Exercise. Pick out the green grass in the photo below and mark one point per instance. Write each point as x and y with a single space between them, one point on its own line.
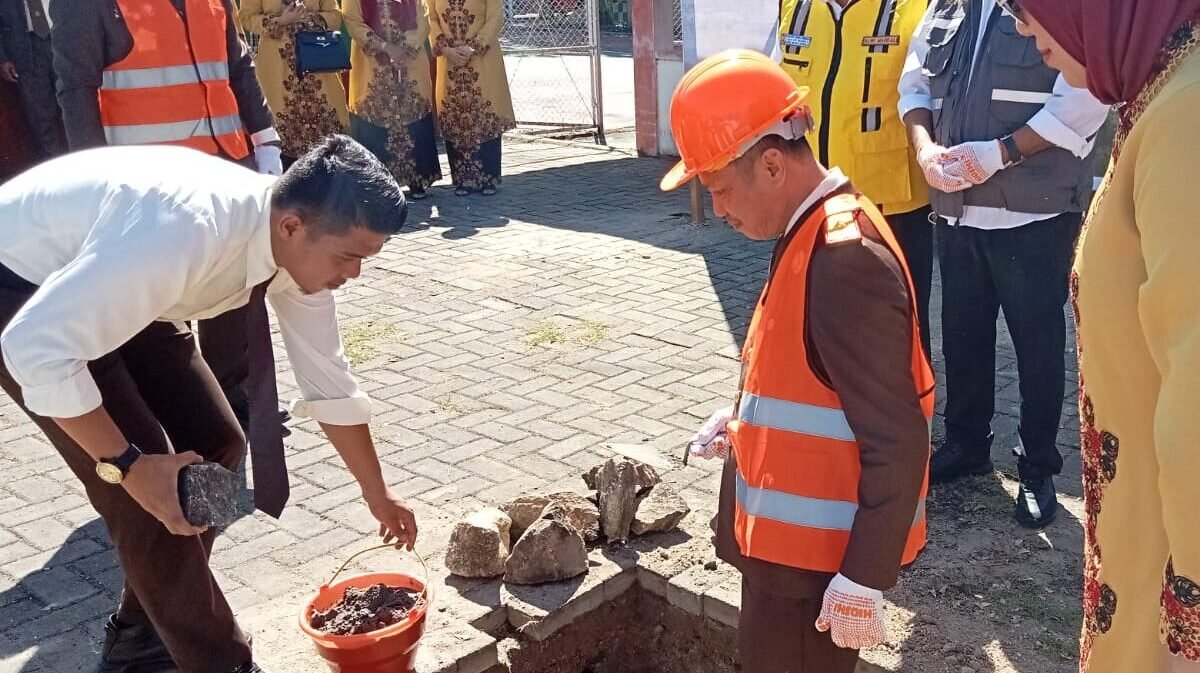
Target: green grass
549 333
361 340
545 333
592 333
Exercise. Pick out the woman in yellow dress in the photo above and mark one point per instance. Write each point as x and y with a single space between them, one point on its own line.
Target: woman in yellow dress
391 91
306 108
1134 290
473 100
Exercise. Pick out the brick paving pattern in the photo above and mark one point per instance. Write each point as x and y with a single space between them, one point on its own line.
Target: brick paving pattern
506 341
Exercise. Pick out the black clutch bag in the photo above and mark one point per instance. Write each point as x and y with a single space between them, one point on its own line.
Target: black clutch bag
320 51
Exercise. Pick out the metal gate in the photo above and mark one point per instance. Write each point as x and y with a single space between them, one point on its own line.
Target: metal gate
552 55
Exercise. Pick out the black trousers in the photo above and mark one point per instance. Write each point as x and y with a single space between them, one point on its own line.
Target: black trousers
35 85
1023 271
164 399
914 233
223 344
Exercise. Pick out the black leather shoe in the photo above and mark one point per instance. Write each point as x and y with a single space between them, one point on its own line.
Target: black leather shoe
953 460
133 648
1037 504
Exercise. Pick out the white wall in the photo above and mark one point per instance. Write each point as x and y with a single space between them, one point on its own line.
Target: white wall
670 71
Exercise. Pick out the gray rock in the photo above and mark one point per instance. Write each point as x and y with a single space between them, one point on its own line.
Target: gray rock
524 511
659 510
479 544
548 552
208 494
576 511
617 485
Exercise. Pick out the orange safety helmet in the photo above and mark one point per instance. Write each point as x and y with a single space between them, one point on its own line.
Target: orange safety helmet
724 105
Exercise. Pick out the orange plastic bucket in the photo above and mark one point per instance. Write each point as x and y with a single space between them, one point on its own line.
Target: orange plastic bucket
391 649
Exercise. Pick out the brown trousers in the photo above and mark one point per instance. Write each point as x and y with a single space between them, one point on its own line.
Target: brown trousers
776 634
164 398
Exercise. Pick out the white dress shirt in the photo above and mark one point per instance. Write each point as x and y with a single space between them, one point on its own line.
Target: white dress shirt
119 237
834 180
1070 119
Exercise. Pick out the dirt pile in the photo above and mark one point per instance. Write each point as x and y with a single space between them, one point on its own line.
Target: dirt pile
365 610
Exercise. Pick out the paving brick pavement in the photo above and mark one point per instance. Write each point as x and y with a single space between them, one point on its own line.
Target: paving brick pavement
505 341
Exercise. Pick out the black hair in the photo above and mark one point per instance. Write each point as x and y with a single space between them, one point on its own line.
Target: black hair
339 184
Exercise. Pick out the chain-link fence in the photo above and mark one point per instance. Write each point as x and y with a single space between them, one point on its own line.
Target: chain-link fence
552 55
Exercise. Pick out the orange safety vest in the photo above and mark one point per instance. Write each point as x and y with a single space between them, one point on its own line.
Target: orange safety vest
173 87
797 460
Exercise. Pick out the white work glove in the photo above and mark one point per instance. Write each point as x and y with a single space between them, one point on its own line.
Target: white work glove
269 159
932 159
712 441
975 162
853 614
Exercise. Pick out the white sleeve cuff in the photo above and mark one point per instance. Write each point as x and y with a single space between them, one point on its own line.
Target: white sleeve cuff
846 585
914 101
347 411
1054 131
267 135
73 397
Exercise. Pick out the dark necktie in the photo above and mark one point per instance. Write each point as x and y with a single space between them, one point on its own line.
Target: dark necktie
266 436
38 23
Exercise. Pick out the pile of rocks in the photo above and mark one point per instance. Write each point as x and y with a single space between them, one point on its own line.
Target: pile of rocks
544 538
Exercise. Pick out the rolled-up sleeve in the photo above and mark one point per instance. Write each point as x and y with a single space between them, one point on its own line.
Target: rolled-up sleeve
914 83
1070 119
309 326
124 279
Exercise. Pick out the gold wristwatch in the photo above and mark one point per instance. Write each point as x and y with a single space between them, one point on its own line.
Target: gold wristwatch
113 470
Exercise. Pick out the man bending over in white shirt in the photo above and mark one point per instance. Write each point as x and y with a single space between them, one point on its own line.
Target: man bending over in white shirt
104 257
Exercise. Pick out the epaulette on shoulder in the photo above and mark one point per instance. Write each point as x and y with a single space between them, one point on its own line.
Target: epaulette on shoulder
841 221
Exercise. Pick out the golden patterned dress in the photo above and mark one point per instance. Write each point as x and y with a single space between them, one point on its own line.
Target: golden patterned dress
308 108
391 103
1138 311
474 104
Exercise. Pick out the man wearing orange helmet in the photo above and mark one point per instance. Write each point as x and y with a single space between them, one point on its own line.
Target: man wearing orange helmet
822 496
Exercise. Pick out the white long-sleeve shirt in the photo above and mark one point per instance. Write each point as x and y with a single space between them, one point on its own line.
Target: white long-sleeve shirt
1069 119
119 237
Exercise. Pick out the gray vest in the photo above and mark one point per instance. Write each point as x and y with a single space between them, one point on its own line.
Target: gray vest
1009 86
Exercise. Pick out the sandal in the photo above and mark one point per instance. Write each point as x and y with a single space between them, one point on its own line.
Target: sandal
461 191
488 191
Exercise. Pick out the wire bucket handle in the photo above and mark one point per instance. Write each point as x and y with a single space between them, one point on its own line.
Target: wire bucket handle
424 595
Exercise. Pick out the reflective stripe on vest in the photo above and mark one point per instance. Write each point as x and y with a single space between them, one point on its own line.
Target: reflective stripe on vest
172 132
146 78
805 419
173 86
799 510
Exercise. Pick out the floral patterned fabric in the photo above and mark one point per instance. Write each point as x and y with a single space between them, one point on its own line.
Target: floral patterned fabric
394 94
473 101
1136 438
308 108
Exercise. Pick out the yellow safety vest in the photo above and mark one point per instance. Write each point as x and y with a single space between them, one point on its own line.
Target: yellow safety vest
852 67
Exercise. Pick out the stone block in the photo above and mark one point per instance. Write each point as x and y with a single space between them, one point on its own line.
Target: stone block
540 611
723 602
456 650
479 544
659 510
550 551
686 590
